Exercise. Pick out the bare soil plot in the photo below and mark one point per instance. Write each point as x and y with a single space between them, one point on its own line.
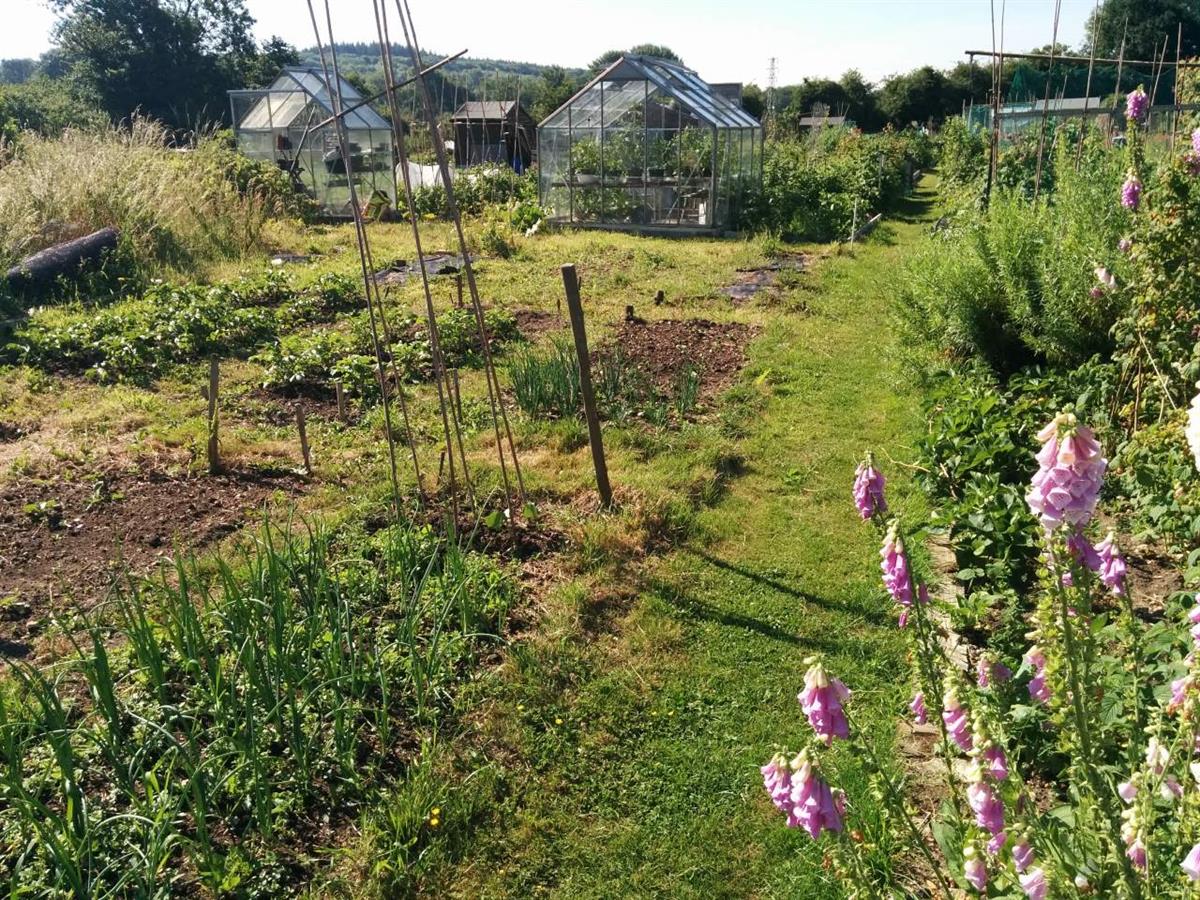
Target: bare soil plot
663 349
70 535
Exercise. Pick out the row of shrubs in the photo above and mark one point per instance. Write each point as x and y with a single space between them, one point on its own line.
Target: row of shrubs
815 189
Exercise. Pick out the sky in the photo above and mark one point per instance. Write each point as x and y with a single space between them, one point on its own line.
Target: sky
723 40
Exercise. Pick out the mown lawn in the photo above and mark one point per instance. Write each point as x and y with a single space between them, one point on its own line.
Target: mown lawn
639 776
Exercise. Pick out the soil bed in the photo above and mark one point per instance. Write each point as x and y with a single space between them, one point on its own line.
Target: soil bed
533 323
69 536
663 349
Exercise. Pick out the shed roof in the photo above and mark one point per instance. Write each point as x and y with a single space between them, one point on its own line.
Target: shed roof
290 94
623 89
478 110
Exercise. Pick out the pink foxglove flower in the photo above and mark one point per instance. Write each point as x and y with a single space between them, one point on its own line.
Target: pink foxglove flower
996 762
815 807
920 716
1131 192
1111 565
1033 883
894 562
821 701
868 490
1137 104
996 844
1137 853
1170 789
1194 618
988 670
1106 278
988 808
1039 690
1084 554
1191 161
1191 862
1125 245
1196 140
958 726
1127 791
1180 688
1070 472
1157 756
777 779
1022 854
975 871
1192 430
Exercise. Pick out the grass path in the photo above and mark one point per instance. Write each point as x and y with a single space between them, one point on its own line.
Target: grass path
648 784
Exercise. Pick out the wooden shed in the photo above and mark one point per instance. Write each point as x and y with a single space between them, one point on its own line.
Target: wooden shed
494 131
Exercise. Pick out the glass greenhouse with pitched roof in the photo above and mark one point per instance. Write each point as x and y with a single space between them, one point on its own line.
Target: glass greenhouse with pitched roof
290 124
648 146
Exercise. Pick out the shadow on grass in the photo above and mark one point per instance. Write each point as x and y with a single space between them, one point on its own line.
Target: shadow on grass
875 617
916 208
701 611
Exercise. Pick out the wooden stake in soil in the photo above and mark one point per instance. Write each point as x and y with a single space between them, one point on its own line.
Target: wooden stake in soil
214 442
575 306
303 440
341 401
457 393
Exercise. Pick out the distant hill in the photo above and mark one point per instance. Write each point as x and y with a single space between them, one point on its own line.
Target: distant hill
468 78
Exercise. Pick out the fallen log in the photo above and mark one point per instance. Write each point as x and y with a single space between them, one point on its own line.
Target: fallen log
43 268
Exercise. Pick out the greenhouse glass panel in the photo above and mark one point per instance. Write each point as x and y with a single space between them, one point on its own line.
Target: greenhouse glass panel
290 124
648 146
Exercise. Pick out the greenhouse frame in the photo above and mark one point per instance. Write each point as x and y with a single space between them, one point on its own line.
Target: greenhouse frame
290 123
648 146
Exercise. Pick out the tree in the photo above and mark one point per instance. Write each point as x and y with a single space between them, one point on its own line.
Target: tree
966 83
47 105
1143 24
917 96
604 60
170 59
16 71
862 103
553 88
754 100
260 69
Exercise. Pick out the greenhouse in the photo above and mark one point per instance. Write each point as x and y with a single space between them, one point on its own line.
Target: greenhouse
648 146
290 124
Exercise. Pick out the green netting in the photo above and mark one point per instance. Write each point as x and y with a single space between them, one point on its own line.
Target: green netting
1029 82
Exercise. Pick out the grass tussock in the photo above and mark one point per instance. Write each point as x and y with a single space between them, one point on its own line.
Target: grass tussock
177 208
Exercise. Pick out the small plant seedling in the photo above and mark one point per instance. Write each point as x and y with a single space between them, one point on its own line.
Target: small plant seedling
45 511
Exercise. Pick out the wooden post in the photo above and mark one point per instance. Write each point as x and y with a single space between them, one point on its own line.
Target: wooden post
303 440
659 297
341 401
458 281
214 442
575 307
457 393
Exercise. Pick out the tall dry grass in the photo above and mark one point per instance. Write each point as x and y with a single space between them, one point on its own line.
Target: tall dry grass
177 209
